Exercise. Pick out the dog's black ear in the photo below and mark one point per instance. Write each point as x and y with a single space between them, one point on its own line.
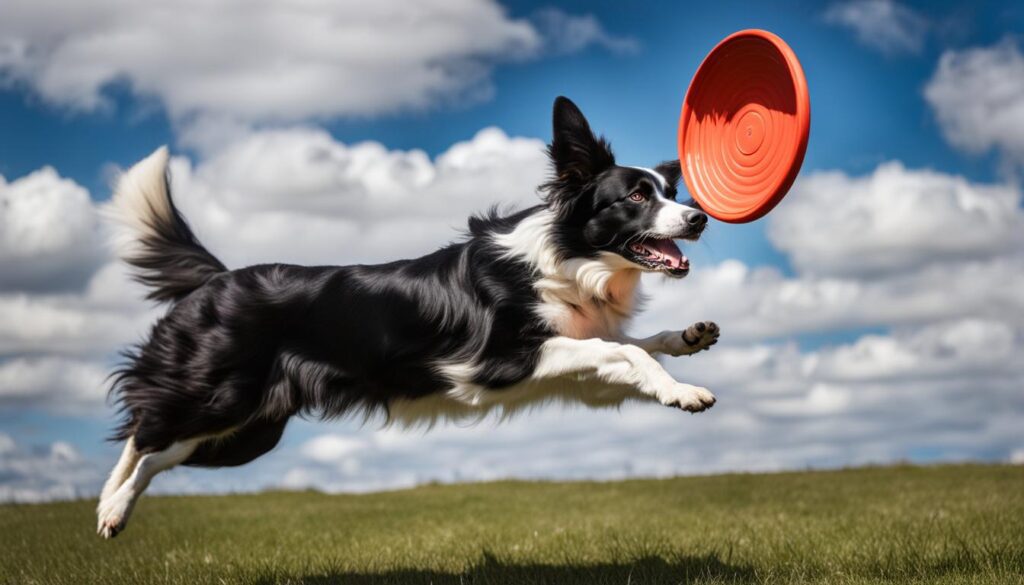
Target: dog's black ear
671 170
576 153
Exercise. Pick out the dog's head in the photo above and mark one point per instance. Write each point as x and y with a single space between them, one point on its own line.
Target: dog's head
602 207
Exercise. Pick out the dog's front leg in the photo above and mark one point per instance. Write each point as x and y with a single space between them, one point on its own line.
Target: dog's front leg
701 335
617 365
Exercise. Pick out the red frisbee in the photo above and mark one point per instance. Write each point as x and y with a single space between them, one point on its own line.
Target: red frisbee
744 126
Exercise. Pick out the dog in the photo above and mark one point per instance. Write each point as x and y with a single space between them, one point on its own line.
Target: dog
529 308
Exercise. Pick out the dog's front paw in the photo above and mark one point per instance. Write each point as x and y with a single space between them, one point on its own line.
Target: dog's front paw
689 398
701 335
696 337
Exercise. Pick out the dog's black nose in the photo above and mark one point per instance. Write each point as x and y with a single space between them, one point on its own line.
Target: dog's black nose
696 218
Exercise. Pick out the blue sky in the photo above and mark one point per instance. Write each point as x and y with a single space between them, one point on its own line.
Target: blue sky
867 107
881 107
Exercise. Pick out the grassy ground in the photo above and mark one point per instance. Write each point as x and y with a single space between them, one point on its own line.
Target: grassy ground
956 524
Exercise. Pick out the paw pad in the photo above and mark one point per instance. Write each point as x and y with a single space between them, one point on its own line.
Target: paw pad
701 335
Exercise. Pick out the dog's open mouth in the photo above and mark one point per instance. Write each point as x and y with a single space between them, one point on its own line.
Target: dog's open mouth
660 254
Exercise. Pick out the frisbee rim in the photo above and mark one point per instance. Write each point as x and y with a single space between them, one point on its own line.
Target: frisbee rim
768 201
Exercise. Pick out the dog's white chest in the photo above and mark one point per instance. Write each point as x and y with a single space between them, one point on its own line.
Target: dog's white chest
598 303
581 298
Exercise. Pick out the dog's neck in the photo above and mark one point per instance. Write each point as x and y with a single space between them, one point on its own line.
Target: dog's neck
580 297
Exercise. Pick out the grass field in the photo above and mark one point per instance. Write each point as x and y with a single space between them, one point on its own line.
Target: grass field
950 524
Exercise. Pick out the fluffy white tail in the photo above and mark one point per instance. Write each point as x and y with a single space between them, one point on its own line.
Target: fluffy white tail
154 237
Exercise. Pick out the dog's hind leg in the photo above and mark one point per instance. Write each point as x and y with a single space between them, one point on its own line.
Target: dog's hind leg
129 459
241 446
114 510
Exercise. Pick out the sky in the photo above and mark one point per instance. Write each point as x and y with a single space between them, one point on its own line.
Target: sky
875 316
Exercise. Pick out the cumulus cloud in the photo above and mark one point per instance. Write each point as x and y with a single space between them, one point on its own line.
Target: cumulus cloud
66 386
280 60
42 473
65 306
49 236
893 219
756 303
977 95
215 67
883 25
967 348
337 203
92 323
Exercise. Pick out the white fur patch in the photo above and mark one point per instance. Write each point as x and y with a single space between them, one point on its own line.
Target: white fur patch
593 372
140 201
580 297
671 219
125 465
113 511
660 182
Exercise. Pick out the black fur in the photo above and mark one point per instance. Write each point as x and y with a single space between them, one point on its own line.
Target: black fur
171 261
240 352
258 345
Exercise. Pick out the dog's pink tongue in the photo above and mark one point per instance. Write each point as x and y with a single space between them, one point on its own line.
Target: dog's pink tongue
671 252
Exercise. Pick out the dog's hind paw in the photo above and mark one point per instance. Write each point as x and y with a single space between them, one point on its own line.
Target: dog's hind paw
109 526
112 515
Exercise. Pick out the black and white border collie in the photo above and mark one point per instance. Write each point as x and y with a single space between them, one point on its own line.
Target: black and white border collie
529 308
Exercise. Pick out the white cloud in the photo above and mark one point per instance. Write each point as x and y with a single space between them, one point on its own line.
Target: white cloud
273 61
49 235
978 98
336 203
567 33
217 67
55 471
883 25
331 448
761 303
94 323
892 220
967 348
62 385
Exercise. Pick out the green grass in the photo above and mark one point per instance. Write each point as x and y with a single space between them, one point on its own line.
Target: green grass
950 524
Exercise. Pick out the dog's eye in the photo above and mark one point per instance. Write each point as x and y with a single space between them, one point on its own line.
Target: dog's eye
637 196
